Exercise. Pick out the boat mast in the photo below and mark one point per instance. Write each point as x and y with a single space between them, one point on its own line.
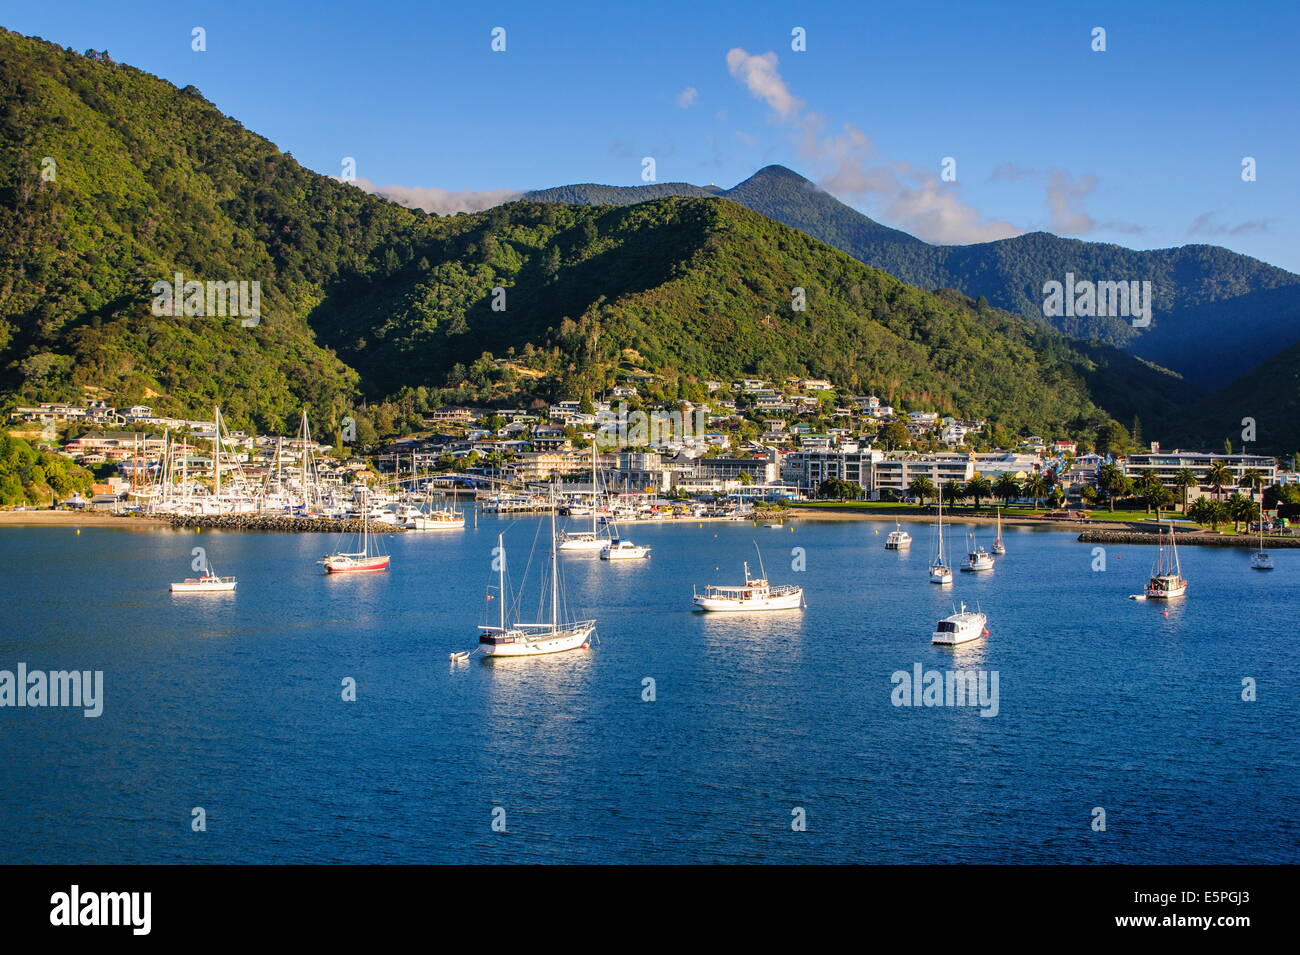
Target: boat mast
593 488
555 583
501 579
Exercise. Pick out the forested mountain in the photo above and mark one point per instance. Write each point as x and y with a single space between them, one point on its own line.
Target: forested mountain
1268 395
364 298
1198 289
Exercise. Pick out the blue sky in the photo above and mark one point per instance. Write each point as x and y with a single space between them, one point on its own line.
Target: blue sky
1140 145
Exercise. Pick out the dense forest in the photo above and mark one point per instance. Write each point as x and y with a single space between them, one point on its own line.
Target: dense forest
1198 289
32 476
364 300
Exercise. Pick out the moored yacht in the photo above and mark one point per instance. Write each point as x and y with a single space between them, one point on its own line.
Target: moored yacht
755 594
1167 578
961 627
516 639
977 558
898 538
1261 559
999 548
367 560
207 584
940 572
620 549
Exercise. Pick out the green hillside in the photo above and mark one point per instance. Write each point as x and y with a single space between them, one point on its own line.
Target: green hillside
1196 288
1269 394
363 299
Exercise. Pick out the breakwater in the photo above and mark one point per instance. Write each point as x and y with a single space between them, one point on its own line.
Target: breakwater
1189 537
299 525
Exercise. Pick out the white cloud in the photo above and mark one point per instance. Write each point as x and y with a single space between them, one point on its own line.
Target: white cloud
759 75
1204 224
442 201
912 198
687 97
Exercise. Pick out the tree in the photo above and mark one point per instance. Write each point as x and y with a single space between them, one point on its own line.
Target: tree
979 487
839 490
1241 509
1185 479
1007 488
921 488
1207 511
1112 480
1218 475
895 435
1149 486
953 491
1252 478
1036 487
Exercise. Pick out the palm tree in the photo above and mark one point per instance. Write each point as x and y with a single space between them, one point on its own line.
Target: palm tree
921 488
1161 497
1252 478
1111 479
979 487
1241 508
1218 475
953 491
1035 487
1206 511
1184 480
1149 486
1007 488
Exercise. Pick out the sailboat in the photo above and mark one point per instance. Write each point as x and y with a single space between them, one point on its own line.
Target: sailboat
516 639
977 558
585 540
755 594
366 560
1167 580
940 572
207 584
999 548
1261 559
898 538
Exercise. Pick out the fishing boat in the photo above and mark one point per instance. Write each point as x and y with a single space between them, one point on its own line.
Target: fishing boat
621 549
586 540
1167 578
961 627
898 538
755 594
999 548
977 558
940 572
209 583
507 638
367 560
1261 559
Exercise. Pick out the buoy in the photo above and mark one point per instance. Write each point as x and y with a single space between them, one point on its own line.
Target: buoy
1165 614
78 531
586 646
986 631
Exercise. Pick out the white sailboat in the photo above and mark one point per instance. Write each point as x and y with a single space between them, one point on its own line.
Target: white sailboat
999 548
1167 579
1261 559
367 560
620 548
977 558
898 538
585 540
207 584
940 572
755 594
961 627
509 638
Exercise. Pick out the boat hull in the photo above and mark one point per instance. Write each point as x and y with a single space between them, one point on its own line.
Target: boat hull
630 553
784 602
348 565
581 545
966 630
203 587
1165 593
533 645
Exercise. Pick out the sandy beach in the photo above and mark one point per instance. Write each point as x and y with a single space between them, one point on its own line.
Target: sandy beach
73 519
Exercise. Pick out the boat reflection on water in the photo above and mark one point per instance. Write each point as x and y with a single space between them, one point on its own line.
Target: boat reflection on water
759 631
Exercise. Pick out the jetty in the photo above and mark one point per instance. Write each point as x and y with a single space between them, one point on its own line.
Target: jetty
279 524
1199 538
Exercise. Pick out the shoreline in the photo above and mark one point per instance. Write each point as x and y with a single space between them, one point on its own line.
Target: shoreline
51 518
849 514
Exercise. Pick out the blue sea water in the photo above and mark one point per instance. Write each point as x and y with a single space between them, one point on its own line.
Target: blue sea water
233 703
